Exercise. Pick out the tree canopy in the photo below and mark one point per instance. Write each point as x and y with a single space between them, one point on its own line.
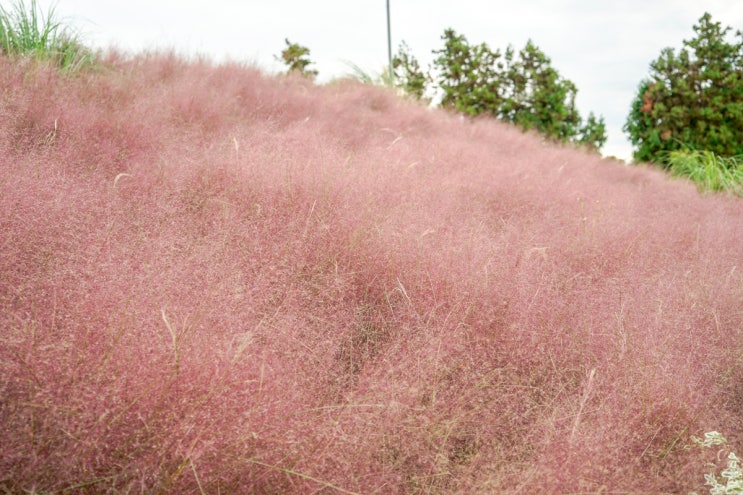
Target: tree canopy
519 87
296 58
692 99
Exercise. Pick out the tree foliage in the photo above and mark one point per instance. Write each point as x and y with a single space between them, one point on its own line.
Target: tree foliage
407 73
692 99
519 87
536 97
467 75
296 58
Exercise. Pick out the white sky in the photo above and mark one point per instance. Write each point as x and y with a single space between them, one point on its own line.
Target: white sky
603 46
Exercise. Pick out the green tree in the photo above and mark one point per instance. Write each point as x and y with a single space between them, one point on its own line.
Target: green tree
407 73
519 87
296 58
538 98
467 75
592 132
692 99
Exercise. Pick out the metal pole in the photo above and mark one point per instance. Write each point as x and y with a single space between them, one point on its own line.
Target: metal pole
389 42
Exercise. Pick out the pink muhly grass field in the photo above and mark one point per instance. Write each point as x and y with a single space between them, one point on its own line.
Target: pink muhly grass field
215 281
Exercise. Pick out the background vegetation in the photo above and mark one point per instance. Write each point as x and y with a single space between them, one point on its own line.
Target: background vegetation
518 87
521 88
709 171
297 59
687 116
692 99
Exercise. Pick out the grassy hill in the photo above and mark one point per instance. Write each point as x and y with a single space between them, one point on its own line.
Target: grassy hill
215 281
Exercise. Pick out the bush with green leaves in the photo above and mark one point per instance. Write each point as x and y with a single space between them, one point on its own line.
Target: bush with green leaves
27 31
691 99
731 476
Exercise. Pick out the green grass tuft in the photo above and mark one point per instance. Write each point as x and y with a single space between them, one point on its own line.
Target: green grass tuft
709 171
364 77
28 31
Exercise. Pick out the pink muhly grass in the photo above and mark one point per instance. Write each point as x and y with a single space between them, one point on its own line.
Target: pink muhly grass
216 281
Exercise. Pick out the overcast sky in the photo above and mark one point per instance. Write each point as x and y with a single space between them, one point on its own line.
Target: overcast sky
603 46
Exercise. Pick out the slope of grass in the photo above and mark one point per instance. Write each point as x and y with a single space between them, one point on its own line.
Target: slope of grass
212 281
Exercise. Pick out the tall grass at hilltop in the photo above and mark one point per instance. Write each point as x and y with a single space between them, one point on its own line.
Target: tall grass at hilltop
214 281
28 31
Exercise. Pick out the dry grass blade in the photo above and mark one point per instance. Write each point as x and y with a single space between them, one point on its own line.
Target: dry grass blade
298 474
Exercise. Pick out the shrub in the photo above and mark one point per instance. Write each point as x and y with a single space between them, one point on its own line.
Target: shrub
732 476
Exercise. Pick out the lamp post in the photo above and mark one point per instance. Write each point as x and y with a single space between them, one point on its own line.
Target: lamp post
389 42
